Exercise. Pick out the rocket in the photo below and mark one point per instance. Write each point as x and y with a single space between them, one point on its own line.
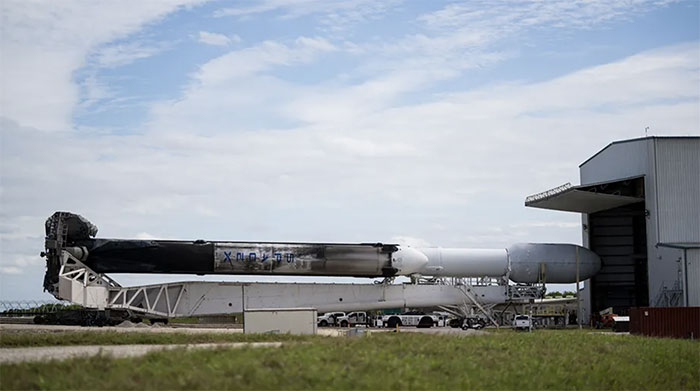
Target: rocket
521 263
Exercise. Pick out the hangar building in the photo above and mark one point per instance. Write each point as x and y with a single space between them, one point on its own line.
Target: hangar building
640 206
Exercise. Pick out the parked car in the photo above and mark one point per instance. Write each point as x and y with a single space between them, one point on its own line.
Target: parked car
329 319
523 322
353 319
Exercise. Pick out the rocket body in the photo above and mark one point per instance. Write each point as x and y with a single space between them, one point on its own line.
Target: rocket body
526 263
522 263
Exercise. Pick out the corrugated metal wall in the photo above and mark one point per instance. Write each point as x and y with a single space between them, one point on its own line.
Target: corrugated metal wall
620 160
678 190
693 277
675 322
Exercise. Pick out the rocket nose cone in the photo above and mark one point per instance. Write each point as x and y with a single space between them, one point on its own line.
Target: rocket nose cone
408 260
591 259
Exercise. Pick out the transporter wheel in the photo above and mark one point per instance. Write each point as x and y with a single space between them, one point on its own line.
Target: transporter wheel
323 323
393 322
344 323
425 322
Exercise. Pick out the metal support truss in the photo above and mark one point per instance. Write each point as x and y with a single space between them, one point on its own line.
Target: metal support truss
473 301
79 284
525 292
74 270
155 300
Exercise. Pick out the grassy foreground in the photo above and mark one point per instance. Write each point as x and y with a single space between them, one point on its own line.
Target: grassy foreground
15 340
524 361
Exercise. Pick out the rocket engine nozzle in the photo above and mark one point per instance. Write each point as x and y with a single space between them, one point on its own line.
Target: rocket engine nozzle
63 230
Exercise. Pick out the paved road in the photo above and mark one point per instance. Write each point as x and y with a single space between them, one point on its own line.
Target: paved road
46 353
139 328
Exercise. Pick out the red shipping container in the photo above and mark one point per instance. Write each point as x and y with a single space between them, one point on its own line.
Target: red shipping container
674 322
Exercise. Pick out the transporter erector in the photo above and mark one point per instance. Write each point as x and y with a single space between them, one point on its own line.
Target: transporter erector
78 263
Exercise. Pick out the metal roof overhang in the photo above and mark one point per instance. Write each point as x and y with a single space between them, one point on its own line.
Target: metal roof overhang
574 199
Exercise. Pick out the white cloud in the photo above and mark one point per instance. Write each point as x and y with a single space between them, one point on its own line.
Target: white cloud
649 77
217 39
550 224
435 154
457 142
367 147
44 43
19 263
334 15
471 34
146 236
460 37
93 91
10 270
513 15
125 53
411 241
235 87
240 63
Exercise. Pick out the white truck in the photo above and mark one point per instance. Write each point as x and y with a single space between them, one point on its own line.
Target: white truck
353 319
417 319
522 322
329 319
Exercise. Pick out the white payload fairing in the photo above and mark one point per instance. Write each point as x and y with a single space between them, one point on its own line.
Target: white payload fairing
522 262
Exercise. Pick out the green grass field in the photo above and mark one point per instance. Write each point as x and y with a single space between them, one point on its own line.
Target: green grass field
524 361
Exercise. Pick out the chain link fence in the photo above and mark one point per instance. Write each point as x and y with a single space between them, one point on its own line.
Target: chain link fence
14 308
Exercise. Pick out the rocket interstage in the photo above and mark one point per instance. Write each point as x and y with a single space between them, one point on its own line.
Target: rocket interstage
522 263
